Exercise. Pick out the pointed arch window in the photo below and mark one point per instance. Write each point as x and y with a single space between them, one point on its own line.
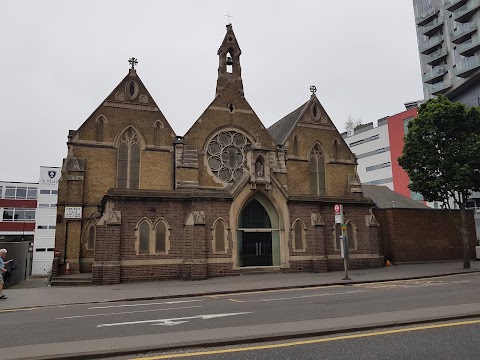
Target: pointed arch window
152 238
351 233
91 234
144 237
128 160
298 230
161 237
295 145
100 129
220 233
335 149
317 171
157 133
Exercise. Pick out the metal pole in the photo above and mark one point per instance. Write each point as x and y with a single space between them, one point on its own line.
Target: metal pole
23 228
345 260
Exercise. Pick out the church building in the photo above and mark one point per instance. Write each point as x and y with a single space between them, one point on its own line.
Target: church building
138 202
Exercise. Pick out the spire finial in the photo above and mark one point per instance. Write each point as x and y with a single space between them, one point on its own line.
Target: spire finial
313 89
228 17
132 61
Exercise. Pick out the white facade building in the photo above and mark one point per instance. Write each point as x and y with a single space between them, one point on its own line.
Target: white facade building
371 145
44 239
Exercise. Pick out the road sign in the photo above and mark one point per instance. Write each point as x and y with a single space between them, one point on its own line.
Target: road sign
337 208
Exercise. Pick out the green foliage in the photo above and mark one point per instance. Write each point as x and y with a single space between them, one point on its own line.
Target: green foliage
442 151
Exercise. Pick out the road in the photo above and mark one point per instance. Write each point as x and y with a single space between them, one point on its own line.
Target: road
446 340
216 319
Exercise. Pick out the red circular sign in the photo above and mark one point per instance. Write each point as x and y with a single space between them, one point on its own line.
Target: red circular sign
336 207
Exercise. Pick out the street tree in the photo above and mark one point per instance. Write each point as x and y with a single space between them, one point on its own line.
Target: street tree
351 124
442 156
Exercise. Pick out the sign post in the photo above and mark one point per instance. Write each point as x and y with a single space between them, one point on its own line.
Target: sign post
343 238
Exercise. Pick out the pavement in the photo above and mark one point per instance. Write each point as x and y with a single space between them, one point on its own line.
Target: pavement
36 293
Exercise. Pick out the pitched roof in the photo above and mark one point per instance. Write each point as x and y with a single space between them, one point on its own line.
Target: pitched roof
281 129
385 198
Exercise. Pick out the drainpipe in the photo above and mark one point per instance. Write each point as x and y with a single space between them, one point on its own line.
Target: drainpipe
178 141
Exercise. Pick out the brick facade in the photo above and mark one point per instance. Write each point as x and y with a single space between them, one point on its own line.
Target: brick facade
418 235
182 185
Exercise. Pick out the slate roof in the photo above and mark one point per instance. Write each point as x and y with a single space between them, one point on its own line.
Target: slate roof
281 129
385 198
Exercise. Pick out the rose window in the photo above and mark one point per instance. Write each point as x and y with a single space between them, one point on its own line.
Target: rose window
226 154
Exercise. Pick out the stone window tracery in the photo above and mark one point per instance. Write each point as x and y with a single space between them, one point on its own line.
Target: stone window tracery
227 155
128 160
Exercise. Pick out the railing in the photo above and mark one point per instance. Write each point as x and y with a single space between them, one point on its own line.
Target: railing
461 12
467 45
426 15
435 55
426 45
438 87
466 65
435 72
433 25
454 4
465 29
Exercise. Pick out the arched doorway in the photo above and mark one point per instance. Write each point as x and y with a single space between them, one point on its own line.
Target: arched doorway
258 233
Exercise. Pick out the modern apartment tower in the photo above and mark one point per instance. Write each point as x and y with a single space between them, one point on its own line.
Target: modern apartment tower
449 48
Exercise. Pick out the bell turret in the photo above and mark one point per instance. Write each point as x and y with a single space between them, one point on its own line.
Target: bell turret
229 69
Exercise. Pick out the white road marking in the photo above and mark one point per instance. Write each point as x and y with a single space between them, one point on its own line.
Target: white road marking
174 321
145 304
126 312
313 295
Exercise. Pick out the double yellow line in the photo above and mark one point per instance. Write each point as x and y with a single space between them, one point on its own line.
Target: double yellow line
307 342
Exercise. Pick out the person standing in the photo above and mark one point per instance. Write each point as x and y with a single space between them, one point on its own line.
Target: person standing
3 253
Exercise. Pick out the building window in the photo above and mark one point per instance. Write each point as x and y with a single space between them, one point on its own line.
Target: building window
227 155
298 230
100 128
153 239
128 160
220 233
20 192
144 237
295 145
161 237
91 237
19 214
157 132
317 171
351 232
335 149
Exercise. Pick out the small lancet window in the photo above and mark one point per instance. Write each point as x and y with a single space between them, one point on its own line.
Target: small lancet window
219 236
131 89
295 145
335 149
161 237
91 237
144 238
156 134
100 129
298 236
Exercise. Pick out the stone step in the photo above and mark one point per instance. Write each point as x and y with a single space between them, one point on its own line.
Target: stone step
73 282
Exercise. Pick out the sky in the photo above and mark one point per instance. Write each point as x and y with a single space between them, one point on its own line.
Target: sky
60 60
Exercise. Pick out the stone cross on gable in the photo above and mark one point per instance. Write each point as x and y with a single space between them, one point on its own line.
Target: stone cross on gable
228 17
313 89
132 61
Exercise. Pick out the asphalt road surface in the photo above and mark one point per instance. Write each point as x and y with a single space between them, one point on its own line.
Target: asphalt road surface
448 340
187 318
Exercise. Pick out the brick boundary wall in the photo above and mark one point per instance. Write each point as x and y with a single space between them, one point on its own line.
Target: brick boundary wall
420 235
